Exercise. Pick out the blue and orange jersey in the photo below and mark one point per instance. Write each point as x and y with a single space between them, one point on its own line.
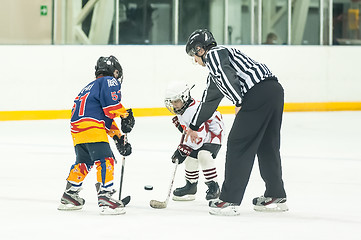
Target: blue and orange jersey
94 109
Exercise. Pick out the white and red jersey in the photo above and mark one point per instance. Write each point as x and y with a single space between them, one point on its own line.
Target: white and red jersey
210 131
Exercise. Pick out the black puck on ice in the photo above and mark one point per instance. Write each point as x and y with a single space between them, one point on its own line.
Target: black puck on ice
148 187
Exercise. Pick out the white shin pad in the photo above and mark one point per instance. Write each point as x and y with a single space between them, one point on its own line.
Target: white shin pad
208 163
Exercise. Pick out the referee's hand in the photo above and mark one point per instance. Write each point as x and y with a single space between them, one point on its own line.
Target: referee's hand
193 136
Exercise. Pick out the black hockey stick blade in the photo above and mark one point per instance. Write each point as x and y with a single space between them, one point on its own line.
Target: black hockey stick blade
126 200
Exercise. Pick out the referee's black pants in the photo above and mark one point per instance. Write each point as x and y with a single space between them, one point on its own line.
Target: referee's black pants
255 131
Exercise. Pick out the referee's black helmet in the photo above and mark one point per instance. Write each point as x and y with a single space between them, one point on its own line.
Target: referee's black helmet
200 38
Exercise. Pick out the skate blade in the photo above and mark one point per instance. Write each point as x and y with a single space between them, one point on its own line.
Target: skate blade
69 207
227 211
184 198
105 210
274 207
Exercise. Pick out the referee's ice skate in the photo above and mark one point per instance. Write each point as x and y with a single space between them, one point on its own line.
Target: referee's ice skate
222 208
270 204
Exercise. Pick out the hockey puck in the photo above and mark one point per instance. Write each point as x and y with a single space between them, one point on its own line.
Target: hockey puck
148 187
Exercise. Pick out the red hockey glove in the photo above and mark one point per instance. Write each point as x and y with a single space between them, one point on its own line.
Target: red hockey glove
177 124
182 152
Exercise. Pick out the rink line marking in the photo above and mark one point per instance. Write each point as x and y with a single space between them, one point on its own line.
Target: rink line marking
34 115
322 106
161 111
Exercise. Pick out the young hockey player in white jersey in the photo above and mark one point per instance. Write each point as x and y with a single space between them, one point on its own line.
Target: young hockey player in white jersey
179 101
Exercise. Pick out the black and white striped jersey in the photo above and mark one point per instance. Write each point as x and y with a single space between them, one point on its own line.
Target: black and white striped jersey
231 74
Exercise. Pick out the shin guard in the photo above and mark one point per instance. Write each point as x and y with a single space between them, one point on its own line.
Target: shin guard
77 174
208 165
191 170
105 172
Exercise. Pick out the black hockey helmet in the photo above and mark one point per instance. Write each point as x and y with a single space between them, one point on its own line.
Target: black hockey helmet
200 38
107 65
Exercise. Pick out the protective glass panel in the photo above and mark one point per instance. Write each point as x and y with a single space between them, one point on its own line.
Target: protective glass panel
196 14
274 22
145 22
346 23
239 22
305 22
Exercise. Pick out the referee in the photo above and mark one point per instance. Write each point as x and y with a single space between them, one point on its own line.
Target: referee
259 100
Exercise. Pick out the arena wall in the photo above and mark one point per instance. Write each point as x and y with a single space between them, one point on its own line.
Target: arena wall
46 78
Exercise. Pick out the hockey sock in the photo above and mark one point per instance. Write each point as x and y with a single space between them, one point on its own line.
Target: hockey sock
105 171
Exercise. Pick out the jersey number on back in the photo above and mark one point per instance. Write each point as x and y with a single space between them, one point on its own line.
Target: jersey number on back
82 105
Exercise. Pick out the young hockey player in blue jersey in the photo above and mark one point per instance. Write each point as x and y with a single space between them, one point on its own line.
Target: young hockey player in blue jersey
179 101
92 121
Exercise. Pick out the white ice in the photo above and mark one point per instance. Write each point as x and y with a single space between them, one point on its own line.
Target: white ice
321 166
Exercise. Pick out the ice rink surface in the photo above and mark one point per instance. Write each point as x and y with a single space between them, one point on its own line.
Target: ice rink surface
321 167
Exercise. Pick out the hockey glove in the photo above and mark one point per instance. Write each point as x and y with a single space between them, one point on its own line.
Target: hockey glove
128 122
182 152
177 124
124 148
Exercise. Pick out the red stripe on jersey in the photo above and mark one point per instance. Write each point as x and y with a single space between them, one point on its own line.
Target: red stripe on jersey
109 111
86 124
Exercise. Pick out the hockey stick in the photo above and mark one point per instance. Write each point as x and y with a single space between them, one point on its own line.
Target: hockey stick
125 200
158 204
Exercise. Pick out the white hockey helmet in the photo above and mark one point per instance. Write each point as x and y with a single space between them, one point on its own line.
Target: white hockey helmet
177 91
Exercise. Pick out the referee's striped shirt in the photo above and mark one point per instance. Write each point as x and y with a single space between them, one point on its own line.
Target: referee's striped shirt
232 74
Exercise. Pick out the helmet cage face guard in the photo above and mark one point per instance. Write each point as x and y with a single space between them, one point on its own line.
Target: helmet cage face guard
114 64
169 106
184 97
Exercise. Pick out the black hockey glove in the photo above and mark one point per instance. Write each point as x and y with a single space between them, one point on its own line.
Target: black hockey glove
125 149
128 122
182 152
177 124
